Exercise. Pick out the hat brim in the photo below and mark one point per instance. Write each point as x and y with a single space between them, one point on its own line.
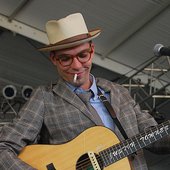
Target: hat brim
93 34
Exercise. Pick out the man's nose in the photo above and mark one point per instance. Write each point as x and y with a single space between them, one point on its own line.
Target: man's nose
76 63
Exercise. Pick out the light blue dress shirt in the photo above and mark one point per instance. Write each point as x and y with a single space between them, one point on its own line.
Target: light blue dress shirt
97 103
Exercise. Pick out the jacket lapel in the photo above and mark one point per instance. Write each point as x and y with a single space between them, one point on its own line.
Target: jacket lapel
61 89
107 86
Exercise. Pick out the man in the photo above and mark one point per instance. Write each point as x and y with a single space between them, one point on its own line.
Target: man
56 114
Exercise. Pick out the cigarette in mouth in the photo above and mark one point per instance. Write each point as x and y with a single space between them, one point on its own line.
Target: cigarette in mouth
75 78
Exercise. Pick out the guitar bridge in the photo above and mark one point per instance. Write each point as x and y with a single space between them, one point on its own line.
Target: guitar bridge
94 161
50 167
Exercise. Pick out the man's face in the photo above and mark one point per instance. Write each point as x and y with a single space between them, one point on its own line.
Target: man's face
67 70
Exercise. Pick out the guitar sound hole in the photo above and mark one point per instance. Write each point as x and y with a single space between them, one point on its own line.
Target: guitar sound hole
84 162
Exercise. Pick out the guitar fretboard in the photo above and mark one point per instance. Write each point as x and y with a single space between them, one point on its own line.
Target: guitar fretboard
131 145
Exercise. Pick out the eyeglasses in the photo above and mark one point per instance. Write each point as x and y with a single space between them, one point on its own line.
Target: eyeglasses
67 59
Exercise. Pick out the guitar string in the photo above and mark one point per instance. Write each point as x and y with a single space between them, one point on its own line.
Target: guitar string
86 161
136 140
137 145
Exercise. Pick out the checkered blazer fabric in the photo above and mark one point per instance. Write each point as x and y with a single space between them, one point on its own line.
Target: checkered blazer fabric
55 115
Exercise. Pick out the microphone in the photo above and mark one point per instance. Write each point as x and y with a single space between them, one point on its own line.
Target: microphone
160 50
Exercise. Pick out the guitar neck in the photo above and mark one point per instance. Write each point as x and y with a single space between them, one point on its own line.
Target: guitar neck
131 145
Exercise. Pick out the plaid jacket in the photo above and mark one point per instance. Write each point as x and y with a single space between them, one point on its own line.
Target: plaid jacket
55 115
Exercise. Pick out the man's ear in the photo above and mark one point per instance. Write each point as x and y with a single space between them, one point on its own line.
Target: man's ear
52 57
92 48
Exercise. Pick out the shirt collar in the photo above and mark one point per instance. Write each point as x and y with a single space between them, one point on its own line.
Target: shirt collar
93 87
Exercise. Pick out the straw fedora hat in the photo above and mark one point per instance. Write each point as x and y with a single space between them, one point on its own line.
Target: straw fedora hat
68 32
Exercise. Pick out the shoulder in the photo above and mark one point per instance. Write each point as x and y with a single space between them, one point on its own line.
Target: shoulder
47 88
44 89
109 85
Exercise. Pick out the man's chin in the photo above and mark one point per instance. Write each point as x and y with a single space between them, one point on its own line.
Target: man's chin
77 83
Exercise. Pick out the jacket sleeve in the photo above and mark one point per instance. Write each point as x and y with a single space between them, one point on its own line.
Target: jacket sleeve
161 146
145 121
141 119
24 131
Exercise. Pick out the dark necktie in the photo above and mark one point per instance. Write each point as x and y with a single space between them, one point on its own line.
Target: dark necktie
85 97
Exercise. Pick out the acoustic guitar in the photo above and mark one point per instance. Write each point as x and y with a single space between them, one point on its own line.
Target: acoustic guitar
96 148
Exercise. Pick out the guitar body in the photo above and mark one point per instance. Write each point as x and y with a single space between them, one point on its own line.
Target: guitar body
66 156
